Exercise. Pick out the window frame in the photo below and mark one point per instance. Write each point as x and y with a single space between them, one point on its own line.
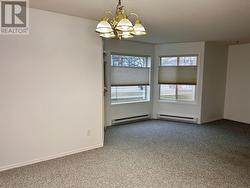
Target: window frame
148 89
176 90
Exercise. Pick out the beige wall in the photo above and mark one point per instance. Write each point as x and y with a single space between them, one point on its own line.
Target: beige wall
214 82
51 90
237 103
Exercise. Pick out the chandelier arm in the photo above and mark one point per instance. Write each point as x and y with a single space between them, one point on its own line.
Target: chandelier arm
134 14
109 12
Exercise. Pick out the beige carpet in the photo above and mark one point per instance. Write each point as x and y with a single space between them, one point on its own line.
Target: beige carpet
150 154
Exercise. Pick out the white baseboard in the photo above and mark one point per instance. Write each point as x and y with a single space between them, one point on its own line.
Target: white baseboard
8 167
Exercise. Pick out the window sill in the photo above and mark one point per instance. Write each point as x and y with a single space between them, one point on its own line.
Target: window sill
132 102
178 102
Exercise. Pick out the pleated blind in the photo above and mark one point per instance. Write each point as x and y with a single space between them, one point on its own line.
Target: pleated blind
178 75
129 76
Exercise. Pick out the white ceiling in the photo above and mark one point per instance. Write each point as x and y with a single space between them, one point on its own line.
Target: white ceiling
168 21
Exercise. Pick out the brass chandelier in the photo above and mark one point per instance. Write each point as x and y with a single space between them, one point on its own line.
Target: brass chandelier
119 26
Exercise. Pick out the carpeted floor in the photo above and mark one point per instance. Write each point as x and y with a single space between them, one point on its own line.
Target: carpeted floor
150 154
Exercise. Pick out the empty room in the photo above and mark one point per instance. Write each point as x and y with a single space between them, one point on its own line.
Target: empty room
124 93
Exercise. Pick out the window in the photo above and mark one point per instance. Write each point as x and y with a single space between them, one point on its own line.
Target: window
168 92
177 92
129 61
173 91
188 61
169 61
130 79
122 94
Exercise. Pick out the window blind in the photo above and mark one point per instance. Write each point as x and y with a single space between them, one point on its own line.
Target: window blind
178 75
130 76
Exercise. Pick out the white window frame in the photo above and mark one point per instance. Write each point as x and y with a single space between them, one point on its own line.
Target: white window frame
176 91
148 91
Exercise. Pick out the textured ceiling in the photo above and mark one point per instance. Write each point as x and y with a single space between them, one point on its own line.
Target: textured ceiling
169 21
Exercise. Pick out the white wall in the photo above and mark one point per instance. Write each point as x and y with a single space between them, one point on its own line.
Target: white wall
237 103
214 82
186 109
118 111
51 86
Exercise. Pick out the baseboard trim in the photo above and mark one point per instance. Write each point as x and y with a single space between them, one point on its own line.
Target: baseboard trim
211 120
21 164
237 121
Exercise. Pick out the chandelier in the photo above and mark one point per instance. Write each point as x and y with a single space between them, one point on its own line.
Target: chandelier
119 26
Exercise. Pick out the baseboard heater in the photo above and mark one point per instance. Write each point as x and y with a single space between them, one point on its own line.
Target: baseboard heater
178 118
130 119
